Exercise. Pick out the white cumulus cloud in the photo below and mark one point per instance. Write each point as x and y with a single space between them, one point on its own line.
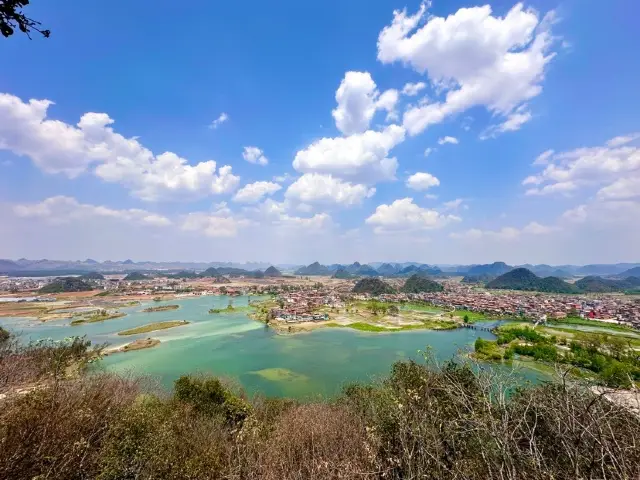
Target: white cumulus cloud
412 89
254 155
62 209
448 139
403 214
322 188
422 181
361 157
222 118
613 168
476 58
254 192
358 99
57 147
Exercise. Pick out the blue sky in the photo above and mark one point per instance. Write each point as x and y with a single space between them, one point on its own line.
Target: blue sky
328 109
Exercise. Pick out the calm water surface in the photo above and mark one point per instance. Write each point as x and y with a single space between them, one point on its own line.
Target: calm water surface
232 345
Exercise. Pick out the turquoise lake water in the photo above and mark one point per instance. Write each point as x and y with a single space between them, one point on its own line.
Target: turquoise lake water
232 345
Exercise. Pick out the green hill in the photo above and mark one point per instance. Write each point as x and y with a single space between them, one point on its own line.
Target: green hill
594 284
523 279
373 286
313 269
420 284
272 272
210 272
92 276
66 284
135 276
342 273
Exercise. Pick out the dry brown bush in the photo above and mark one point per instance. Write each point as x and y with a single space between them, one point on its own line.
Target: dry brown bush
56 431
315 441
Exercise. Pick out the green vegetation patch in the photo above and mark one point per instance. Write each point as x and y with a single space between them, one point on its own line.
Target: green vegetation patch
152 327
98 317
281 375
161 308
590 323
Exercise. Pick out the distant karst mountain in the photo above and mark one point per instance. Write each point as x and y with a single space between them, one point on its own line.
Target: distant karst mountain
272 272
421 284
342 274
313 269
524 279
366 271
496 269
594 284
632 272
372 286
386 269
210 272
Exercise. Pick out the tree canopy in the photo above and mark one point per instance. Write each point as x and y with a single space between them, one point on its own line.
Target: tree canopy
12 17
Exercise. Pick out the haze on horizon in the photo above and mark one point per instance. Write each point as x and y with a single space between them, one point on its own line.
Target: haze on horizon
330 132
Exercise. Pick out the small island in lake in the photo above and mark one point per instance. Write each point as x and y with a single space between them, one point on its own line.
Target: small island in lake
139 344
98 316
152 327
161 308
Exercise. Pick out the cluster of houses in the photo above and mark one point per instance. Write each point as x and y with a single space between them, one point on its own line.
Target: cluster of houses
619 308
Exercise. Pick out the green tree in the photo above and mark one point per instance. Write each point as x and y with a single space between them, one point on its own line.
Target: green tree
466 318
11 17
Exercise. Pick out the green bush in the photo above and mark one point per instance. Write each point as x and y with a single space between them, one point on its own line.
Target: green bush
209 396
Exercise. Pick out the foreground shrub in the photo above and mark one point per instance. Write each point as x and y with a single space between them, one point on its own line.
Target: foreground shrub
56 431
209 396
316 441
43 361
156 439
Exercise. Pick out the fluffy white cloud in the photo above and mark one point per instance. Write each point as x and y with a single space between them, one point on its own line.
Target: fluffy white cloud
513 122
428 151
254 192
560 187
254 155
358 99
322 188
213 225
219 121
543 158
622 189
422 181
623 140
505 233
454 204
61 210
615 218
56 147
476 58
362 157
168 176
356 102
387 101
614 168
412 89
276 214
403 214
448 139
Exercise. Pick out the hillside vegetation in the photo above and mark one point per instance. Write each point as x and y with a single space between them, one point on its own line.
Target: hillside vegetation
66 284
594 284
423 421
523 279
372 286
420 284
